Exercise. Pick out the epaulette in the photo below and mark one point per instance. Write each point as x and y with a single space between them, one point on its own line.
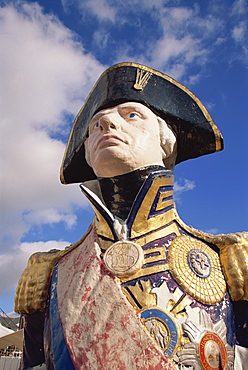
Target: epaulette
233 249
32 290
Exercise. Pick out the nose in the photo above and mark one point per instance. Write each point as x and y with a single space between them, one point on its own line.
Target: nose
107 122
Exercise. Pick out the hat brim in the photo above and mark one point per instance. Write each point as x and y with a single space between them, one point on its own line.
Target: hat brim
193 126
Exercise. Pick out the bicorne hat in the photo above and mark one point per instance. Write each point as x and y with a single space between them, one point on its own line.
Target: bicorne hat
190 121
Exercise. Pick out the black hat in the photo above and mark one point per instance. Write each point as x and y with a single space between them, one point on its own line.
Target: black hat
190 121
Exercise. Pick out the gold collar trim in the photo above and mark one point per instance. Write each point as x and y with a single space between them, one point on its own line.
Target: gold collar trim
154 206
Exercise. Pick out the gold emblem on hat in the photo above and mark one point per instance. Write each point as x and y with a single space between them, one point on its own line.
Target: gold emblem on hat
124 258
142 78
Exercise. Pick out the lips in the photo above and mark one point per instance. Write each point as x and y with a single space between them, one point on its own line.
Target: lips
108 139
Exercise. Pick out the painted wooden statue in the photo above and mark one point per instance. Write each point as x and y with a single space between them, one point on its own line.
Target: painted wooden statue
141 290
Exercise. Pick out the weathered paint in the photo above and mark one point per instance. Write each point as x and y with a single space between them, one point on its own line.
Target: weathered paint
101 328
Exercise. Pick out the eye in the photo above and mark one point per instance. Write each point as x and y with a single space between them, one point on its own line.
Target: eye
132 115
93 126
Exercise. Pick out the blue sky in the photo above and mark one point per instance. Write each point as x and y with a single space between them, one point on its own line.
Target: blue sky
52 52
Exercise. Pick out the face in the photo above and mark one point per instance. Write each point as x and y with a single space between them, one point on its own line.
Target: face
122 139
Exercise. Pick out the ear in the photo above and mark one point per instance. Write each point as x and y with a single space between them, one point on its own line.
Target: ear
167 137
170 161
168 144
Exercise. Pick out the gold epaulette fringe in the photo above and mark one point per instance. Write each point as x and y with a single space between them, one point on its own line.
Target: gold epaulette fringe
33 286
32 290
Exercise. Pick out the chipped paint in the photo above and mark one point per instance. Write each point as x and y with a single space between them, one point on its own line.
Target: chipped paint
101 328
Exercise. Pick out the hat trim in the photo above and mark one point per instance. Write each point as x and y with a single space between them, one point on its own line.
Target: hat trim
217 134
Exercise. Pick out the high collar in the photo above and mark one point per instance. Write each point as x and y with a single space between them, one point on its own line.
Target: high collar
119 192
152 209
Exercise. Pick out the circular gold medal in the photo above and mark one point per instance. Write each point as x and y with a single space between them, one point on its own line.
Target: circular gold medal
196 267
124 258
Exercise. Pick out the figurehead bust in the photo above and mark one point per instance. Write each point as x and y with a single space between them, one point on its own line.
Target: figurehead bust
135 125
157 119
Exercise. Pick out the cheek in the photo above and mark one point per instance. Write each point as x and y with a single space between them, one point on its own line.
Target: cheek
147 138
88 145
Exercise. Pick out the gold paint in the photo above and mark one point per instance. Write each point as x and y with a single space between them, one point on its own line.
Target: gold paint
233 258
145 226
142 240
104 244
157 234
142 78
198 287
33 286
166 301
160 256
170 229
163 204
144 229
142 223
142 294
169 301
146 271
102 225
174 298
186 301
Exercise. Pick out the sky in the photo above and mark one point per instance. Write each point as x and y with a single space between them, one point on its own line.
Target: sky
52 52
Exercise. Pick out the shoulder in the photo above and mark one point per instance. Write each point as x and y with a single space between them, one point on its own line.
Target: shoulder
233 252
32 289
220 240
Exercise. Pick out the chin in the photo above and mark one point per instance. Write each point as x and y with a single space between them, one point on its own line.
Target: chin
114 166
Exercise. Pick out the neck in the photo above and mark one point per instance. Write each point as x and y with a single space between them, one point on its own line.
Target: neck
119 192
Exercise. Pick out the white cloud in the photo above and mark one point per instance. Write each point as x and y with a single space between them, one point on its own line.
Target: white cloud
212 231
219 41
170 47
45 74
113 11
186 35
101 9
180 14
16 260
209 105
49 216
40 55
181 186
239 32
185 38
148 4
239 7
101 38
